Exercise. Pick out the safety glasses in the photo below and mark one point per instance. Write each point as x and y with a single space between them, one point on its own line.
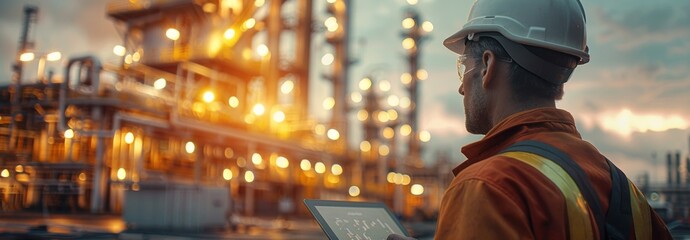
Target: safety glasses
461 67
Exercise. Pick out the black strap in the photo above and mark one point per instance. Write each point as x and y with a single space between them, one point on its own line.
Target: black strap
619 217
574 170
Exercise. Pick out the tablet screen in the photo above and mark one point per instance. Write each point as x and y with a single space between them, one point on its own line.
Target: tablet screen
347 220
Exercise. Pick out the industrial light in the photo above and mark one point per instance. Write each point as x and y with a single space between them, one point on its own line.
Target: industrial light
383 117
172 34
119 50
365 84
234 102
282 162
417 189
320 168
333 134
69 133
305 165
208 96
278 116
384 150
259 109
129 138
327 59
406 179
189 147
390 177
249 176
424 136
136 57
250 23
385 86
331 24
354 191
405 130
356 97
257 159
262 50
160 83
336 169
365 146
328 103
287 86
53 56
229 33
397 178
412 2
19 168
392 114
427 26
362 115
121 174
259 3
408 43
82 177
408 23
26 57
406 78
388 132
227 174
5 173
422 74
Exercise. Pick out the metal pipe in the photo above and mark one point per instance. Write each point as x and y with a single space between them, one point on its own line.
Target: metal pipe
62 103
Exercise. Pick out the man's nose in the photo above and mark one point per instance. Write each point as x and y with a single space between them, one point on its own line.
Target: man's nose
460 89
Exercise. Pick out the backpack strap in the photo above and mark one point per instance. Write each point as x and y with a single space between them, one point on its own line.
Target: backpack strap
619 218
572 169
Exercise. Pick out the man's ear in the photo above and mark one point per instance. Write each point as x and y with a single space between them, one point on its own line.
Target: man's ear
490 70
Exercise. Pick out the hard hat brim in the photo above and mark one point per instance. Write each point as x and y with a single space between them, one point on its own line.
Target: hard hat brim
456 42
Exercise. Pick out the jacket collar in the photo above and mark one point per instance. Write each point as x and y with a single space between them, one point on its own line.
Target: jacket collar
517 125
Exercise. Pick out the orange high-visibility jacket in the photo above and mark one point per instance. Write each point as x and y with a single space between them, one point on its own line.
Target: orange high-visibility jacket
495 196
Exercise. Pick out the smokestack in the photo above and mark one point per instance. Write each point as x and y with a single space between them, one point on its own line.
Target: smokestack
678 168
687 171
669 168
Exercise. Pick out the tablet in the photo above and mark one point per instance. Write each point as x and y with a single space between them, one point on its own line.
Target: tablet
354 220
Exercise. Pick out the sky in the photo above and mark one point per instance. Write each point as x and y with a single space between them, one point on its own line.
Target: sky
631 100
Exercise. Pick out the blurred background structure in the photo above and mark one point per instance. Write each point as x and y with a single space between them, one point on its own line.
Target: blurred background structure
206 116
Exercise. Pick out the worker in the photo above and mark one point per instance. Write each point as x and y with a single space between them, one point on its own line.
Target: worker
532 176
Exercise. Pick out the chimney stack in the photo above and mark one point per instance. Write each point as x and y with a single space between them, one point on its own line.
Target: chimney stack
669 168
677 168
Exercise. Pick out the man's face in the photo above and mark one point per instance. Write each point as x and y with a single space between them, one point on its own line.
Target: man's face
475 101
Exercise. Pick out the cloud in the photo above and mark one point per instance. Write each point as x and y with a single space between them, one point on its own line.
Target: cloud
439 122
636 155
658 88
643 24
626 122
680 49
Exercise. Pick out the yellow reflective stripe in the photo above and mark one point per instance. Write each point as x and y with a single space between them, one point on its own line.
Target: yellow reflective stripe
641 213
580 226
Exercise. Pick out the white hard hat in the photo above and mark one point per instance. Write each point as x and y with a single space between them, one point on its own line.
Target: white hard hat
557 25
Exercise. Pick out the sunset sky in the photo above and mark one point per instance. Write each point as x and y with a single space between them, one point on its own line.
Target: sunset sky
631 100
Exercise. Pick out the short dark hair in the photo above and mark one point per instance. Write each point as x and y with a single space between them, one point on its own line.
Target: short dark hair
525 84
